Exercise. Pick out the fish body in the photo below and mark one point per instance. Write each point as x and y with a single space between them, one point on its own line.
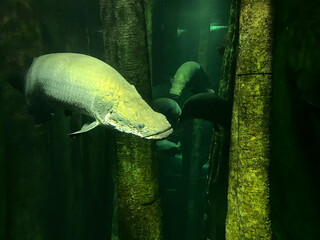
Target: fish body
90 86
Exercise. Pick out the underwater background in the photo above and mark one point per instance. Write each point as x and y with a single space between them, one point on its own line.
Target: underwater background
237 80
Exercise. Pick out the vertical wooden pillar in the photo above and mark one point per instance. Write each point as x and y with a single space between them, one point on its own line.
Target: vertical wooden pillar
126 48
248 193
216 207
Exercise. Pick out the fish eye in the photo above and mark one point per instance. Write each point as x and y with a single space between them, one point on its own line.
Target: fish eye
140 126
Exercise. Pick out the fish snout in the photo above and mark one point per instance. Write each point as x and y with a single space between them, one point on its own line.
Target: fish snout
160 135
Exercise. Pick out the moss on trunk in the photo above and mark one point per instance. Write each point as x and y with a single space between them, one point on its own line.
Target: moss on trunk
137 187
216 207
126 48
248 193
149 5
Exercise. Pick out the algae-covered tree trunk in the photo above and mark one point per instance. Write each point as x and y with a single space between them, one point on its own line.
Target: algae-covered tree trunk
216 206
148 9
248 193
125 40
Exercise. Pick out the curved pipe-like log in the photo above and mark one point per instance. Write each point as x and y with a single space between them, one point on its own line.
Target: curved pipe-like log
168 107
207 106
189 75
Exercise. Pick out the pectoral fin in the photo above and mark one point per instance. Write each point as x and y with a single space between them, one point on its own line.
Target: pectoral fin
85 128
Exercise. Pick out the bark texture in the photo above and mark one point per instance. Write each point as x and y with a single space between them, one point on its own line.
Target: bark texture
149 6
216 206
248 193
125 41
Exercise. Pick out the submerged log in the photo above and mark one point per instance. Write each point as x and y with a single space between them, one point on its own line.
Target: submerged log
248 192
125 41
216 206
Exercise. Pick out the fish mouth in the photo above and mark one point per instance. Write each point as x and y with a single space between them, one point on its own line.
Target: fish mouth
160 135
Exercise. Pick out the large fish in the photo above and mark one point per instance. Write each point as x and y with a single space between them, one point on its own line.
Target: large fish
87 85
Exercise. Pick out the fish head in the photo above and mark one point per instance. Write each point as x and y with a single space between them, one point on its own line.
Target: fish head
131 114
